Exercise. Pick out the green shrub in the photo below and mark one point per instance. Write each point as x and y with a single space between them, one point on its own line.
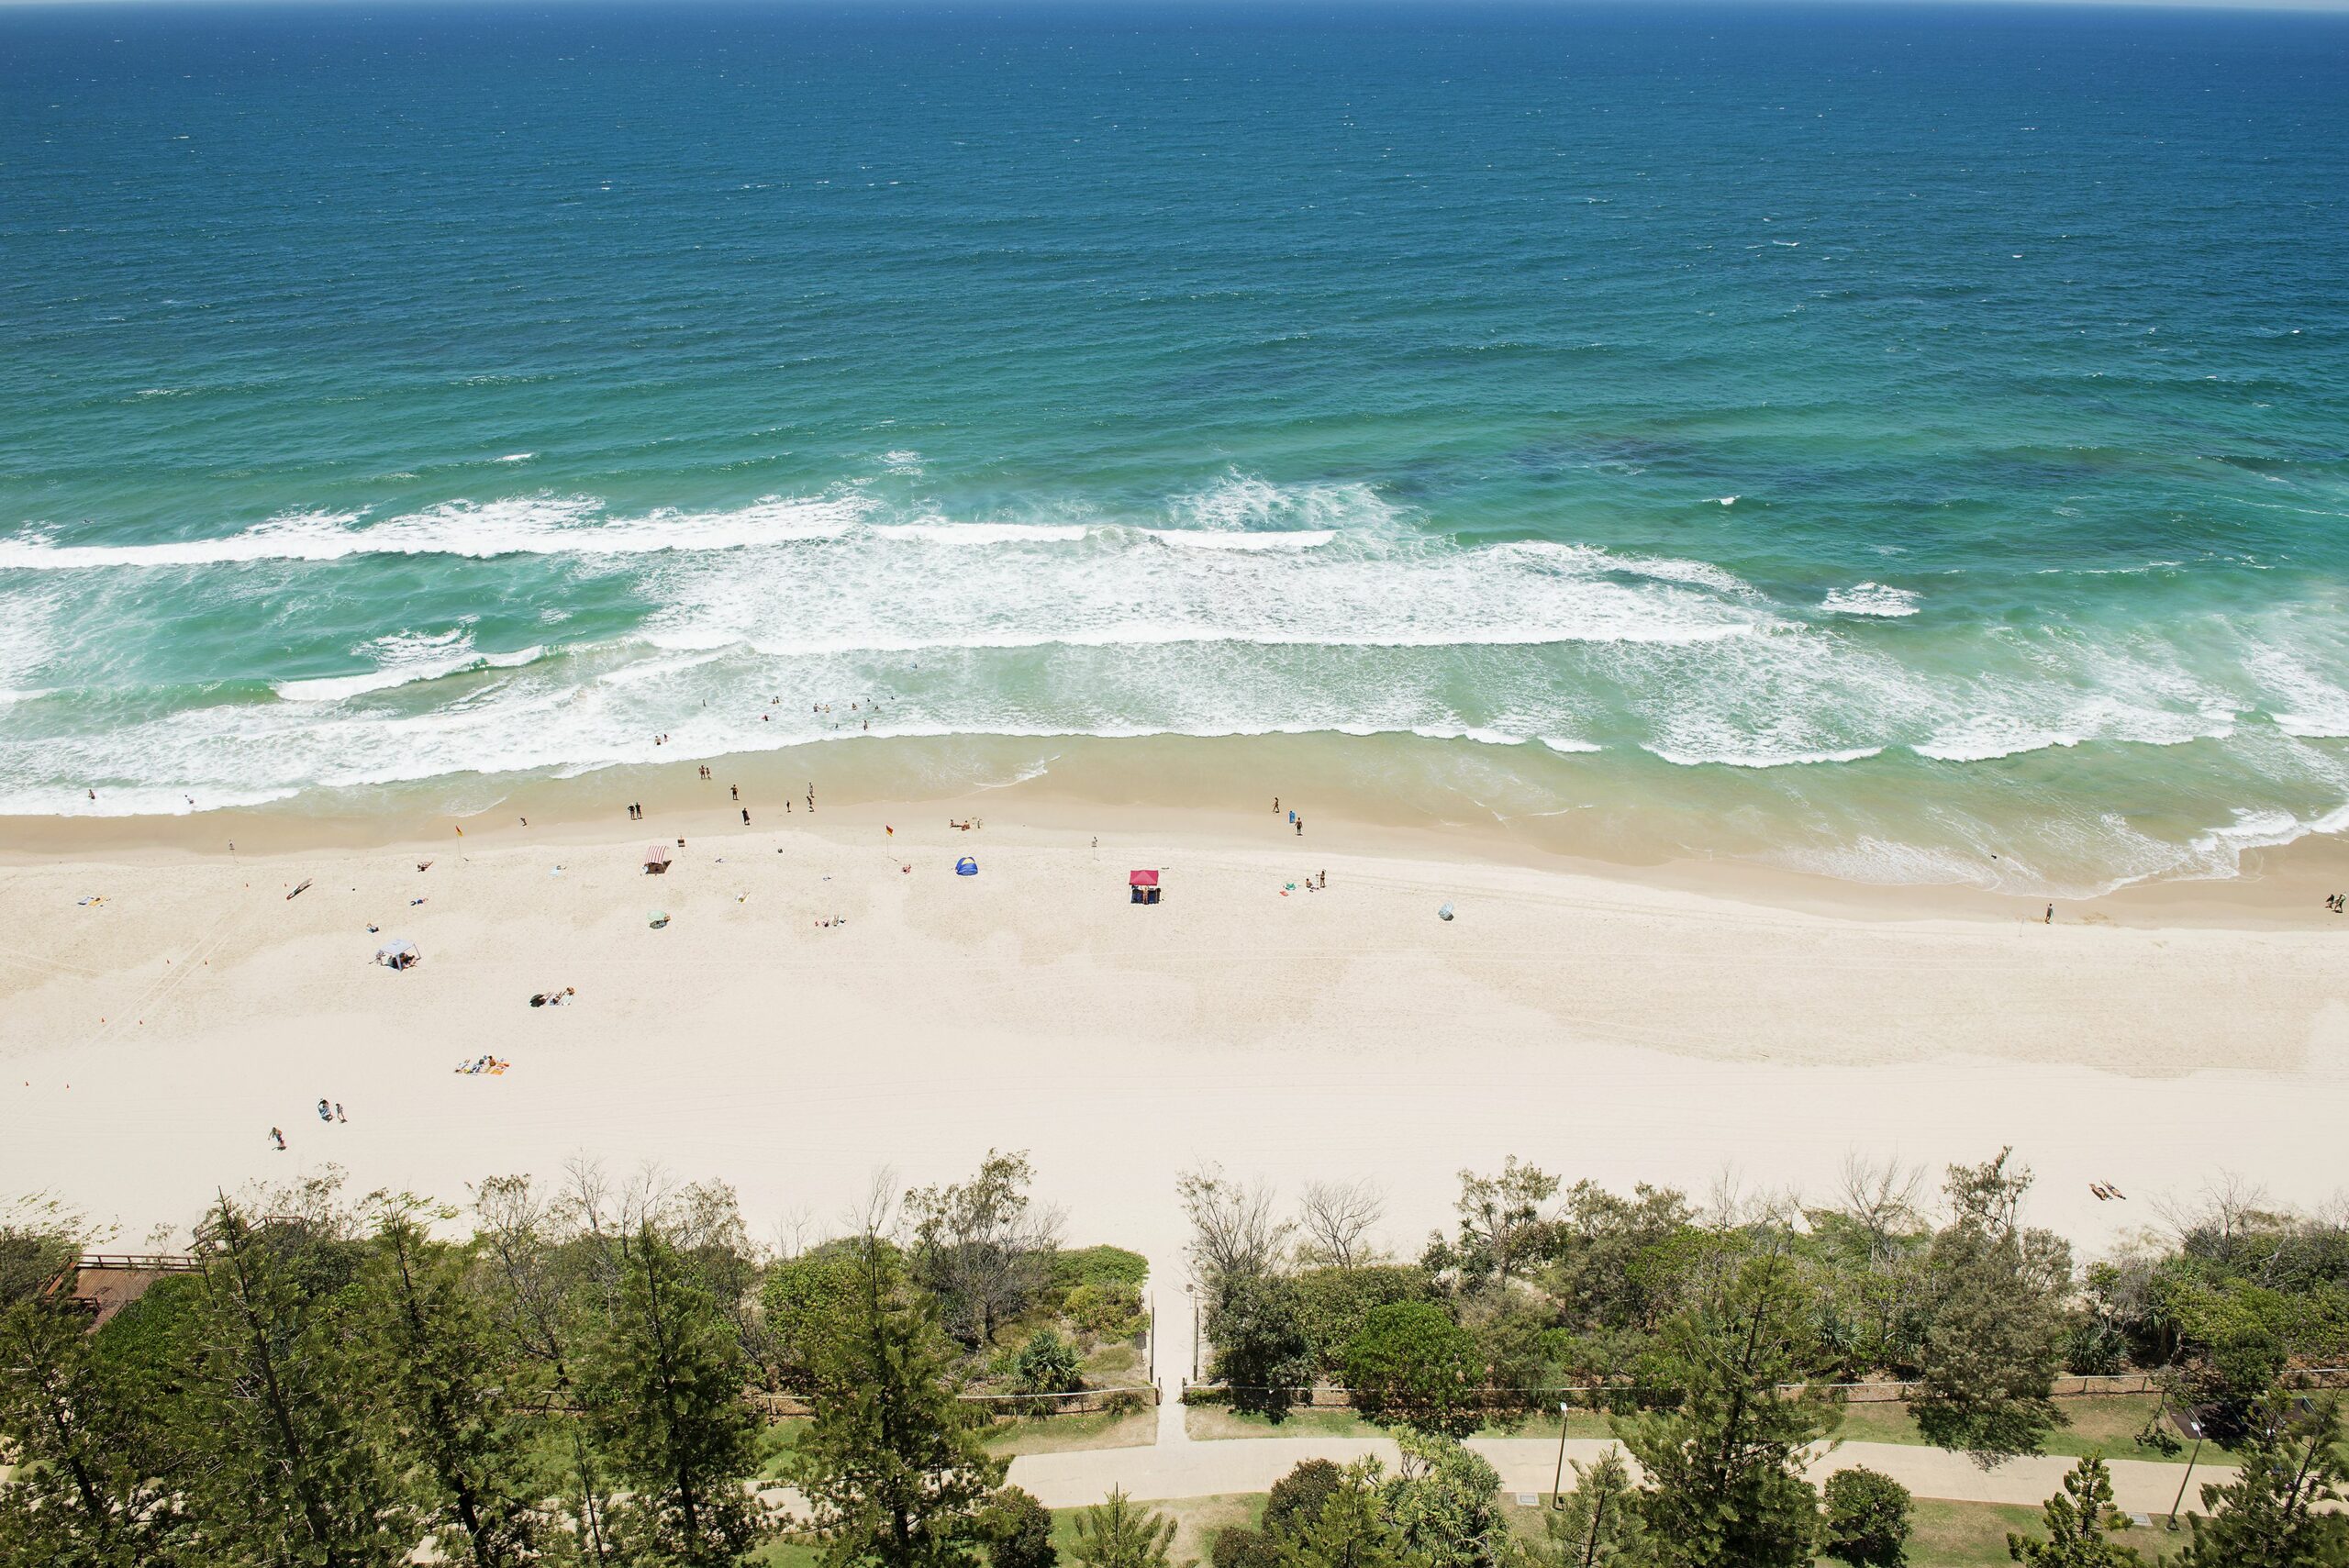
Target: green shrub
1867 1520
1411 1364
1237 1546
1296 1498
1047 1364
1109 1309
1018 1531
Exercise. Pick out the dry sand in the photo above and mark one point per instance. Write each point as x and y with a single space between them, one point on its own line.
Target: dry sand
1662 1026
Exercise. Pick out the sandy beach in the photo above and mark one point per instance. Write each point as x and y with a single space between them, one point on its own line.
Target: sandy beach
1663 1025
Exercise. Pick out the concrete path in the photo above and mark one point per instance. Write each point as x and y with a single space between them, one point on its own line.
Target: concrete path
1182 1468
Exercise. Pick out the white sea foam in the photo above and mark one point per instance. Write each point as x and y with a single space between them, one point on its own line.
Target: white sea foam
1567 745
1760 757
1201 538
1870 599
518 457
541 525
944 532
404 660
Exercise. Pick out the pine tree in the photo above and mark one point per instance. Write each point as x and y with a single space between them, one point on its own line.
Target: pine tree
88 1489
1351 1530
2076 1526
893 1471
663 1384
2290 1468
1599 1526
1118 1533
1445 1504
1724 1469
282 1424
452 1396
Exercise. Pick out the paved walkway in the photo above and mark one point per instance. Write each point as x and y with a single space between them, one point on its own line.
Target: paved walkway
1186 1469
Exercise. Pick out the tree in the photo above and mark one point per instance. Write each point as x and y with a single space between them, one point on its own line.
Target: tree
1502 1221
662 1384
530 1285
1119 1533
1410 1364
1018 1531
1867 1519
1261 1350
1235 1230
1296 1499
2273 1514
1444 1503
1598 1524
1996 1329
1336 1218
2076 1526
1351 1530
452 1395
1724 1469
90 1487
982 1247
891 1469
282 1418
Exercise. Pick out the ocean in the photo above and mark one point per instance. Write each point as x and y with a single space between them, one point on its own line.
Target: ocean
1874 439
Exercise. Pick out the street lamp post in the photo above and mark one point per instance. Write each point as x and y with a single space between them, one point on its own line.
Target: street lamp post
1559 1480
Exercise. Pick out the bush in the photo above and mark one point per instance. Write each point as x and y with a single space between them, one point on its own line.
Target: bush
1047 1364
1413 1365
1109 1309
1098 1265
1332 1303
1018 1531
1867 1520
1260 1348
1296 1499
1237 1546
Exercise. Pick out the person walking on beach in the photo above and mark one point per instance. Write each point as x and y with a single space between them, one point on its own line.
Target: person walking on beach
1300 825
1277 805
279 1137
2051 914
338 1112
734 790
746 817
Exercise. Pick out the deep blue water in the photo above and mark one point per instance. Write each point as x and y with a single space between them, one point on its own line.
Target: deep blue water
1926 429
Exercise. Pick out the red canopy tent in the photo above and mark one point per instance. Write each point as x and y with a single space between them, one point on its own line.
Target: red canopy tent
1144 885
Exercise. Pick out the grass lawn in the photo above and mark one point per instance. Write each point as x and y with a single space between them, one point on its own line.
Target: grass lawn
1061 1434
1207 1422
2102 1427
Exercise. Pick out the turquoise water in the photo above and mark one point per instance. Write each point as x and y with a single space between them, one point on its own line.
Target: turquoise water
1891 435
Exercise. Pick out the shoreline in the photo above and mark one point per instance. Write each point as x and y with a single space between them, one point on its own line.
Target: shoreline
1180 788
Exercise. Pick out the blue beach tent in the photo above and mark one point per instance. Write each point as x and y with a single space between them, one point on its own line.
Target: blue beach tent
966 866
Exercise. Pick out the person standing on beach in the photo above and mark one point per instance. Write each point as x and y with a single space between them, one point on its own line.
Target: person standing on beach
1301 824
279 1136
746 817
2051 914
